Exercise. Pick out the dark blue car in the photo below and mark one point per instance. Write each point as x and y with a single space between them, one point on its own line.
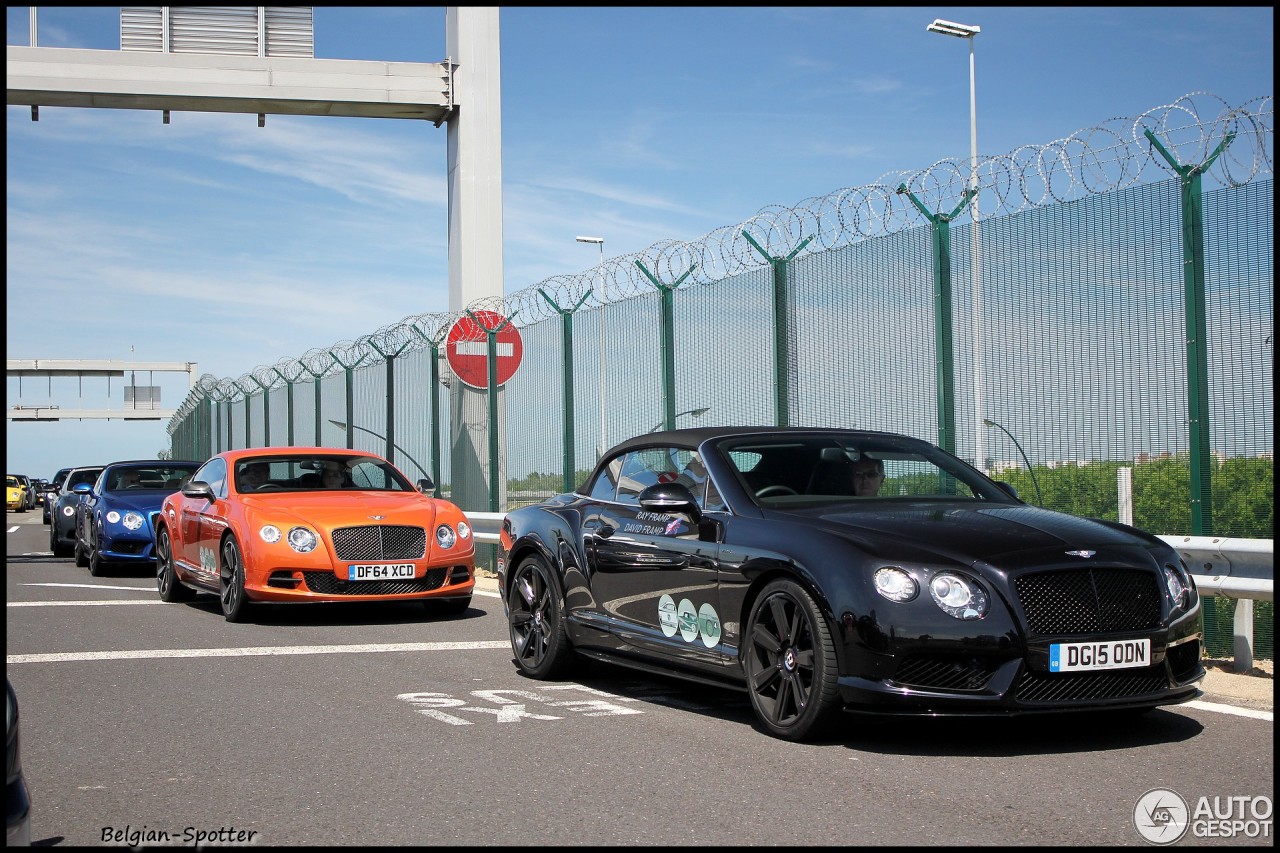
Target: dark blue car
115 521
62 515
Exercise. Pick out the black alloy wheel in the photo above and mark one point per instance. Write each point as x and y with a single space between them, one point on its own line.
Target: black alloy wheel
790 662
534 612
167 584
96 566
235 604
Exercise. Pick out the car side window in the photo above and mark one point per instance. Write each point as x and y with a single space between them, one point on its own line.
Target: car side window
605 487
693 474
214 472
644 468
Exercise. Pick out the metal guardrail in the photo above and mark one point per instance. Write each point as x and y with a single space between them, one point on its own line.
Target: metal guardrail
1242 569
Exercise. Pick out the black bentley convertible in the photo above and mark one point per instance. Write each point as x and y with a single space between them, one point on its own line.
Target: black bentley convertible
828 570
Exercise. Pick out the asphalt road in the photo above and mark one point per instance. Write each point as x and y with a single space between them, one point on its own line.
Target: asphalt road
148 723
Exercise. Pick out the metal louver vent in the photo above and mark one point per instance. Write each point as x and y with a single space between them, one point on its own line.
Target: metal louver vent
235 30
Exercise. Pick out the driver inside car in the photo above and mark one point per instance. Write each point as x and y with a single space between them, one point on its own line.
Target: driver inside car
252 476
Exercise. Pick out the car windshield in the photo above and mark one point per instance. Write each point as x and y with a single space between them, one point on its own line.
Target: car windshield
823 469
159 476
318 472
80 475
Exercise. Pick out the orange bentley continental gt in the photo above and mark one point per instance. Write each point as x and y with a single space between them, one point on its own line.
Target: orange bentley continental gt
311 524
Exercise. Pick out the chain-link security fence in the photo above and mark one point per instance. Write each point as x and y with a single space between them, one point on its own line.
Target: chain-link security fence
1100 336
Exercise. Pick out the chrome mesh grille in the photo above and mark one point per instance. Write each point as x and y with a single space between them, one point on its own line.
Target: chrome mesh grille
380 542
1093 600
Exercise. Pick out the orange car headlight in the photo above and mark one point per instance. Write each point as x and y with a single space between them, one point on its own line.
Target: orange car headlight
300 539
303 540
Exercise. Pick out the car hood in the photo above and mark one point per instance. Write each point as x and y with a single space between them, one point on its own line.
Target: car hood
344 509
1010 536
145 502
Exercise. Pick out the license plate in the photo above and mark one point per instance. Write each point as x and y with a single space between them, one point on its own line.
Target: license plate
380 571
1113 654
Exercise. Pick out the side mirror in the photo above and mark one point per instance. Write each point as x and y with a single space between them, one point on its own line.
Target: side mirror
198 489
1008 487
426 486
670 497
82 488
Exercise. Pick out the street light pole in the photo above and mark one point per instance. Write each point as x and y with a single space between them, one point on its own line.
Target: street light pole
694 413
600 448
1039 494
967 31
342 426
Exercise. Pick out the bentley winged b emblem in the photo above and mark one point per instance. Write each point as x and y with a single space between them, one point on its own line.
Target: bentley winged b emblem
1085 554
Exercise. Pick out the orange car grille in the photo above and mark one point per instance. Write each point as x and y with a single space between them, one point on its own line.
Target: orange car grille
380 542
326 583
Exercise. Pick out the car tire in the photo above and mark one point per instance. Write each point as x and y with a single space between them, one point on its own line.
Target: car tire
82 559
535 617
235 604
57 547
96 567
789 659
167 584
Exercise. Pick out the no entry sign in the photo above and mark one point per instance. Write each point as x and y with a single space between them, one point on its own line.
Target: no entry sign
467 349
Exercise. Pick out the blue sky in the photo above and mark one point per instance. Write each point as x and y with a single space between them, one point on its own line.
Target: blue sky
215 241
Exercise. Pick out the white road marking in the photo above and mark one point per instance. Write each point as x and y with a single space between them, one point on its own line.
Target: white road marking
104 603
1229 709
261 651
93 586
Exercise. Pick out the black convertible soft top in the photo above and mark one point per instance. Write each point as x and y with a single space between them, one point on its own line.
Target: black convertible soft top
691 437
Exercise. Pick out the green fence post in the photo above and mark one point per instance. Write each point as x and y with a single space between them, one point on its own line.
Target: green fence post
266 411
434 379
1197 332
315 382
491 336
390 358
940 234
668 335
351 401
288 385
566 371
781 329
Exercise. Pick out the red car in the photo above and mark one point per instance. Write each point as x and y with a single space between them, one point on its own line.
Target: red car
311 524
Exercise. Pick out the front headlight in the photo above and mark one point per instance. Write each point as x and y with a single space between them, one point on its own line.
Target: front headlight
446 537
113 517
302 540
270 533
895 584
1178 588
958 596
464 530
132 520
68 511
